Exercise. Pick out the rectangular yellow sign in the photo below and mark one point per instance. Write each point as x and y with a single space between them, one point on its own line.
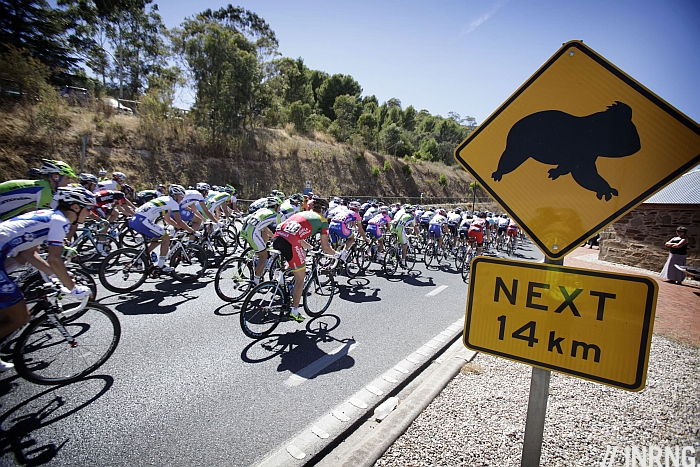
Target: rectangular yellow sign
591 324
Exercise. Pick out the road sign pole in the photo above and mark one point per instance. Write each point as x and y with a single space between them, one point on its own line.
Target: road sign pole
536 408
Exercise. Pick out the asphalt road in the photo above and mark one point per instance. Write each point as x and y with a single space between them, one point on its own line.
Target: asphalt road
186 387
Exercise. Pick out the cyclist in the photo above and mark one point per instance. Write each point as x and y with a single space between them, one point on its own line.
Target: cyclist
233 201
19 238
257 231
216 203
118 178
437 226
192 198
375 228
290 239
102 174
400 226
19 196
371 211
160 190
291 206
503 222
342 224
144 196
454 218
478 228
463 229
513 233
144 221
424 220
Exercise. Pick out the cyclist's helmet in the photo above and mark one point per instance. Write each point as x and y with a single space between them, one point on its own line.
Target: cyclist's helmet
384 209
273 202
354 205
127 190
408 208
34 174
87 178
230 189
320 204
119 176
49 167
176 190
482 215
102 172
201 186
279 194
442 212
74 195
161 187
297 198
458 210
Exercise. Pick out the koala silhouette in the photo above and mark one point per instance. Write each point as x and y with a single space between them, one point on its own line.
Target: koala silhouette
572 143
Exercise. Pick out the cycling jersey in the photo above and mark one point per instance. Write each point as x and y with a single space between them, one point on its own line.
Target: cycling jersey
340 224
21 233
257 204
477 229
425 218
435 226
145 196
18 196
300 226
144 220
453 218
213 201
256 223
108 185
191 197
400 224
374 226
370 213
288 209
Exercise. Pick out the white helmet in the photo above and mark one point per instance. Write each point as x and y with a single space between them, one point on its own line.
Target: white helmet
201 186
74 195
176 190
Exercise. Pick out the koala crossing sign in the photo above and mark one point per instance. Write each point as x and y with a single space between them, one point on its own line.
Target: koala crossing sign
576 147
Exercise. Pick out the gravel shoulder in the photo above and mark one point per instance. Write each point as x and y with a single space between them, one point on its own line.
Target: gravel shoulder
479 418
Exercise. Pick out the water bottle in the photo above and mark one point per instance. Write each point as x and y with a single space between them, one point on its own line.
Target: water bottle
154 257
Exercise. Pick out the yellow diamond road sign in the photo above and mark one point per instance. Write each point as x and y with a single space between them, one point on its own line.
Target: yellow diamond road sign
590 324
576 147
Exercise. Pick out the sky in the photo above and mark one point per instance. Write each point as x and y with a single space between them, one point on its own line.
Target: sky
469 56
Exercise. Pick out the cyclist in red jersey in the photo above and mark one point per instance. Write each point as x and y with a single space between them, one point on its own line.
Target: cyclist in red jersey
478 227
290 240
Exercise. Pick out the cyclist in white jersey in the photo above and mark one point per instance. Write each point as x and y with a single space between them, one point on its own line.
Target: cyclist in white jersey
144 221
192 198
19 238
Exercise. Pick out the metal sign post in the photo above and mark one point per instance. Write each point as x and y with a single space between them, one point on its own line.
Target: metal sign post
536 408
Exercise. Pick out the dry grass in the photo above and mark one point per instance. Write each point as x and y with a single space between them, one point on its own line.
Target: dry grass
471 368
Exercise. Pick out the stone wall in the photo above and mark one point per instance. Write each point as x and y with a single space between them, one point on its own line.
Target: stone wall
638 239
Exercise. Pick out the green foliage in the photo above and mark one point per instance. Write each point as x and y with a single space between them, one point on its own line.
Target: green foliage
29 73
359 156
387 165
318 122
442 180
428 149
406 169
153 124
49 115
375 171
298 114
328 92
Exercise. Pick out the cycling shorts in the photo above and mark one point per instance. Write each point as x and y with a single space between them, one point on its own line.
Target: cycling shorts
340 229
501 230
435 231
103 211
453 229
254 238
186 215
512 231
477 235
10 294
292 251
375 230
463 233
145 226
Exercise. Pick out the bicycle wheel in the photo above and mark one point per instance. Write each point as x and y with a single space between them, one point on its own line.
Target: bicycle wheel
459 258
410 260
509 248
234 279
263 309
466 267
189 263
130 238
429 254
318 293
364 256
43 355
352 264
219 245
124 270
92 250
83 278
438 254
391 261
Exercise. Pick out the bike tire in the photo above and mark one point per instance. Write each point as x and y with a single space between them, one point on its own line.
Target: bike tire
318 293
459 258
410 260
42 354
130 238
189 263
234 279
124 270
365 257
466 268
391 261
352 264
429 255
263 309
91 251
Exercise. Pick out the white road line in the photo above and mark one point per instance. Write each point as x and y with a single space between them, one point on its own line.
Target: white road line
315 368
436 291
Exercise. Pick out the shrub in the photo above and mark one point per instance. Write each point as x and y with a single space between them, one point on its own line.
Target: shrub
387 165
442 180
359 156
375 171
406 169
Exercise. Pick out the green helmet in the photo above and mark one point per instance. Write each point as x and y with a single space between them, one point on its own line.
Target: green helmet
56 167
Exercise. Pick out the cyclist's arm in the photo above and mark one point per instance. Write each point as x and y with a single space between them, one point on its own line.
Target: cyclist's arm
56 266
204 207
325 246
176 221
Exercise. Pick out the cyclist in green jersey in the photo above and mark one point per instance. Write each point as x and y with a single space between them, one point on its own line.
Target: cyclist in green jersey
256 231
20 196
